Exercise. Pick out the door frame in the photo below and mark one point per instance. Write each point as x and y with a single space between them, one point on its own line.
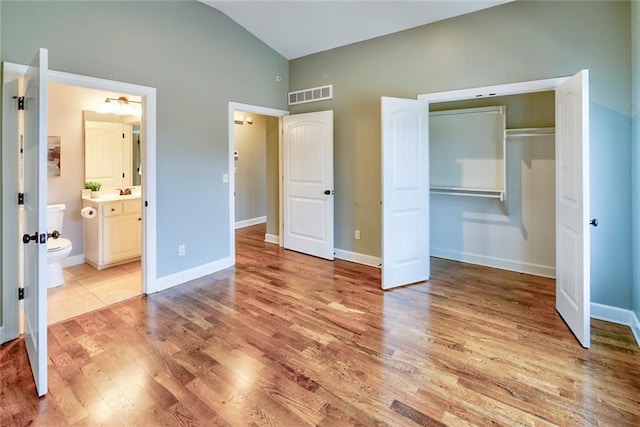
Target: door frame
12 71
502 90
495 90
321 193
264 111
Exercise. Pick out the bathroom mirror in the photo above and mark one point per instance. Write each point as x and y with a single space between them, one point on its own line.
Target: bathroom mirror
112 149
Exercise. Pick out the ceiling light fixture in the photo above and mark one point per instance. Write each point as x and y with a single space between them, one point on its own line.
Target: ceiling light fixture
122 106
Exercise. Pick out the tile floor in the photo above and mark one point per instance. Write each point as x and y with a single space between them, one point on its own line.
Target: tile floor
87 289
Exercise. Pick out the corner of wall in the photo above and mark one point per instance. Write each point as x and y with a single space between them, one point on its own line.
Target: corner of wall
617 315
635 157
635 328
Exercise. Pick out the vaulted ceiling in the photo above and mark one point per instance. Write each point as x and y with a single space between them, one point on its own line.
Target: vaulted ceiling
299 28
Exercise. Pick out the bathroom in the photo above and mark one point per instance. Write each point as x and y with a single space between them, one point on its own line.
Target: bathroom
90 285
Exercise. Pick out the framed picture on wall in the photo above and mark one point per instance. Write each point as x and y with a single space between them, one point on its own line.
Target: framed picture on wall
53 156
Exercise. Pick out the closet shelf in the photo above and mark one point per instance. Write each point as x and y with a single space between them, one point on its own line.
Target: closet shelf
530 131
469 192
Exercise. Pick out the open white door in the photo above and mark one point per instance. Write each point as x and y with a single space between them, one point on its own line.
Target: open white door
405 192
573 282
35 220
307 155
11 244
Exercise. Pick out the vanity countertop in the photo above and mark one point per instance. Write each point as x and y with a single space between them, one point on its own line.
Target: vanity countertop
111 198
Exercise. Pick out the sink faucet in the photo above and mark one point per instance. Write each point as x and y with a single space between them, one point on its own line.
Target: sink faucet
125 192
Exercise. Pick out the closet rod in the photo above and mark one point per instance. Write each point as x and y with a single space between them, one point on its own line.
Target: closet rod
488 194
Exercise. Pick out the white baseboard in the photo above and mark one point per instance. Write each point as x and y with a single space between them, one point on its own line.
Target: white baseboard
6 334
617 315
251 221
172 280
504 264
357 258
73 260
635 328
272 238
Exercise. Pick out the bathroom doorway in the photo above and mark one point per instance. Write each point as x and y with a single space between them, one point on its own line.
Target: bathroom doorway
97 138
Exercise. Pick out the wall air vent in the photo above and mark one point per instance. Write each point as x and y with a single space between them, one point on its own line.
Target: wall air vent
311 95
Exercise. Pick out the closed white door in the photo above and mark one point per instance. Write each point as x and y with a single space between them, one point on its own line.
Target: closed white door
35 220
307 154
405 192
573 280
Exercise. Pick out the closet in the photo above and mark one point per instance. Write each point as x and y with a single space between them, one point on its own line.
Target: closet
492 181
467 152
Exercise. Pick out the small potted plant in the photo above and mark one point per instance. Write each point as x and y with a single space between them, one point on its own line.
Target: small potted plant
94 187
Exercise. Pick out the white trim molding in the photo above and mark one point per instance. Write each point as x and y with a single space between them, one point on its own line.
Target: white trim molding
504 264
491 91
272 238
358 258
251 221
617 315
73 260
182 277
635 328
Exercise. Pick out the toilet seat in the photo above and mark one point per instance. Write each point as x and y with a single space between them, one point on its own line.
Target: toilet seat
55 245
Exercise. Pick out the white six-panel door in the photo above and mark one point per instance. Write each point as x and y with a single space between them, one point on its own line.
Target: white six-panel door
405 192
35 211
572 205
307 155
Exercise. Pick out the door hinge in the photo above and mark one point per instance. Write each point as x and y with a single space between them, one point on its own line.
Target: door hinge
20 198
20 102
20 294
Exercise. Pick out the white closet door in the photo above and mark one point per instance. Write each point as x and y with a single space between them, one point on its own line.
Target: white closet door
573 249
405 192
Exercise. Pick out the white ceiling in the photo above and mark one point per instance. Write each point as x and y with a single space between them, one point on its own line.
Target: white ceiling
303 27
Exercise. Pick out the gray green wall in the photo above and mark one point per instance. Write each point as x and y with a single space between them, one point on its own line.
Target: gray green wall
635 144
198 60
514 42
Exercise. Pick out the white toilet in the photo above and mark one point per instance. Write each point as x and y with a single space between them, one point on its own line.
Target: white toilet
57 249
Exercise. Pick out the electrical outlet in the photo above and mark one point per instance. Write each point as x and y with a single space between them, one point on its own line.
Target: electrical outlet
181 250
356 235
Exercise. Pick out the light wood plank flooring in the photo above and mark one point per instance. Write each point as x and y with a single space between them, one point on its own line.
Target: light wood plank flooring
286 339
86 289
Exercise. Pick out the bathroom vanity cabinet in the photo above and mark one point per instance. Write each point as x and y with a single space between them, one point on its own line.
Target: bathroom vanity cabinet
114 236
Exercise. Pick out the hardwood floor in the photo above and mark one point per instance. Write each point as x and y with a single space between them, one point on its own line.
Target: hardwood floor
286 339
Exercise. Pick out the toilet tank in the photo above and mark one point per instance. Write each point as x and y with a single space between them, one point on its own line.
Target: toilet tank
55 217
